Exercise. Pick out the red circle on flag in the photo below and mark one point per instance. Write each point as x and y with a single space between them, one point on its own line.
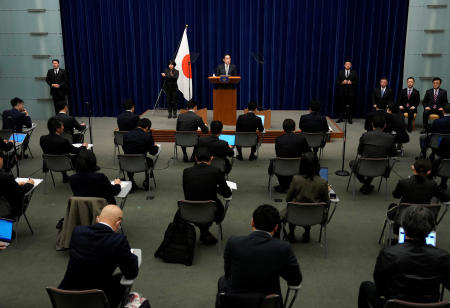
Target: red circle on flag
185 66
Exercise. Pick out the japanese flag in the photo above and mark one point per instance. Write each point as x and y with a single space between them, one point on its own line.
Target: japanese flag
183 58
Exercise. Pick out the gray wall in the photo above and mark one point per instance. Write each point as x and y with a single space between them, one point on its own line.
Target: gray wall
435 43
20 51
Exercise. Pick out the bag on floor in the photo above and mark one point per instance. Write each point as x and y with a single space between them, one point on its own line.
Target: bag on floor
179 243
136 300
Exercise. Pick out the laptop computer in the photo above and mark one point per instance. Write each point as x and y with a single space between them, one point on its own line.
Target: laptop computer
430 240
228 138
18 137
6 229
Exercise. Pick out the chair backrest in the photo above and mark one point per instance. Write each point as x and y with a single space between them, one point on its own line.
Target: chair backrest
249 300
132 162
435 140
75 299
316 140
219 163
286 166
197 211
186 139
372 167
58 163
118 137
5 134
434 207
396 303
306 214
246 140
444 168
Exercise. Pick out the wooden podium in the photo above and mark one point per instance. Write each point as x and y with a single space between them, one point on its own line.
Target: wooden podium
225 100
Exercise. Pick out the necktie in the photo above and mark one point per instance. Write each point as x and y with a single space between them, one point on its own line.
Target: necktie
435 95
346 73
382 92
56 72
226 69
409 93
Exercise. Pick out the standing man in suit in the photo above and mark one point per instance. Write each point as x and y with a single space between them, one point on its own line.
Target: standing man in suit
70 123
409 100
190 122
346 82
434 101
170 76
95 253
128 120
288 145
382 94
226 69
313 122
203 182
255 263
249 122
17 117
216 147
58 81
140 141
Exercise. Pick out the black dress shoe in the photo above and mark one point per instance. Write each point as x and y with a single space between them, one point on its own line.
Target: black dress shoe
208 239
174 116
170 116
280 189
253 157
423 131
306 238
185 158
291 237
350 121
146 185
239 157
65 179
134 187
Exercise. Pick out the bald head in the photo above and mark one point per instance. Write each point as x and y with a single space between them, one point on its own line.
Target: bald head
111 215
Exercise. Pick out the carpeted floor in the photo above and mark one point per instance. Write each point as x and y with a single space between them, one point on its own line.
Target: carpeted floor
32 263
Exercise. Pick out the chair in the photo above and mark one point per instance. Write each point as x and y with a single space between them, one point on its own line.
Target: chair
284 167
317 140
247 140
309 214
118 141
371 167
76 299
396 303
25 204
201 212
5 134
435 140
184 139
56 163
236 300
219 163
406 115
443 169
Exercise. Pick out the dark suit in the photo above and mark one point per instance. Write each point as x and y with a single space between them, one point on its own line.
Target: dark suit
190 122
313 122
220 70
57 145
418 190
16 120
70 124
249 122
443 151
405 101
439 126
387 116
434 105
398 126
127 120
58 94
93 184
217 148
387 98
9 159
171 90
13 193
95 252
255 263
346 93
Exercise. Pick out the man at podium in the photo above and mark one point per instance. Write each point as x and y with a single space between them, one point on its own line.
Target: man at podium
226 68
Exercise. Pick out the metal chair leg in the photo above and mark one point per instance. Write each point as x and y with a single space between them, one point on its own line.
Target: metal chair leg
53 179
325 239
219 250
270 187
320 234
28 223
382 232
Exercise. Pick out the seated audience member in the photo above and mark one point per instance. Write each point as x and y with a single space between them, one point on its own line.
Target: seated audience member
313 122
70 123
17 117
288 145
398 124
443 152
433 102
203 182
86 182
374 144
140 141
308 187
439 126
55 144
412 271
408 101
190 122
127 120
12 191
216 147
380 109
9 159
6 145
255 263
246 123
95 253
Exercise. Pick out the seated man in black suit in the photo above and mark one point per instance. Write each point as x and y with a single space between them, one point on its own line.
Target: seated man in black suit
374 144
408 101
382 94
313 122
398 125
288 145
127 120
190 122
249 122
434 101
203 182
439 126
216 147
95 253
412 271
17 117
70 123
55 144
443 152
140 141
255 263
380 109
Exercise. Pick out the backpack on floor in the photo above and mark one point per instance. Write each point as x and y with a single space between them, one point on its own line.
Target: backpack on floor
179 243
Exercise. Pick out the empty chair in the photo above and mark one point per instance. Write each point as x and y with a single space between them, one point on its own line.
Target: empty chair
76 299
396 303
317 141
56 163
118 141
284 167
435 140
184 139
247 140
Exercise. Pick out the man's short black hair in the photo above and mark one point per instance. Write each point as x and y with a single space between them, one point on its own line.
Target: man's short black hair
381 105
191 104
348 61
288 125
410 77
53 124
55 60
60 105
437 78
202 154
422 166
266 217
314 105
227 54
418 221
384 78
252 106
394 108
216 127
128 104
16 101
447 108
378 121
144 123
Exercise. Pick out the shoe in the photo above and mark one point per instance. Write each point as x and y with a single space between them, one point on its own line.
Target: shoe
65 179
423 131
280 189
146 185
192 160
134 187
170 116
174 116
350 121
25 156
239 157
409 129
208 239
291 237
306 237
368 189
253 157
185 158
339 121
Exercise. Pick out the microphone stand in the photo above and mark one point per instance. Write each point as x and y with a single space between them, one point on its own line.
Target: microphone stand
343 172
159 96
90 120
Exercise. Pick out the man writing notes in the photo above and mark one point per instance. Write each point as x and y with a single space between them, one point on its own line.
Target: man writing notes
346 91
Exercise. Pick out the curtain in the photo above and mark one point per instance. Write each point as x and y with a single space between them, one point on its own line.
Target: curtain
287 52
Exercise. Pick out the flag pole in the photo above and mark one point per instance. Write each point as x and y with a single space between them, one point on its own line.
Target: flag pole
175 54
